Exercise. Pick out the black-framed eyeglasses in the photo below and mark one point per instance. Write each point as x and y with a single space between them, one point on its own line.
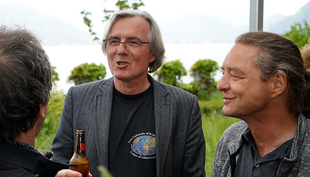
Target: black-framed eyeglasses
131 46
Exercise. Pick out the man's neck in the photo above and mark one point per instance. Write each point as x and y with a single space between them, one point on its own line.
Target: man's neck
273 130
132 87
28 137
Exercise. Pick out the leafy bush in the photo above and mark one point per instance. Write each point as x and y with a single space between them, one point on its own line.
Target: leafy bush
87 73
211 106
299 33
48 131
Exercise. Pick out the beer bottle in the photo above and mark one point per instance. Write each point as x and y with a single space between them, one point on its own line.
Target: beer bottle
79 161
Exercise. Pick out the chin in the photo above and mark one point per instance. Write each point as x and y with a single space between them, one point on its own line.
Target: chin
227 113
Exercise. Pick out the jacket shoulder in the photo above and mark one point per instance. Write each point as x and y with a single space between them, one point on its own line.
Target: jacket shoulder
91 86
234 132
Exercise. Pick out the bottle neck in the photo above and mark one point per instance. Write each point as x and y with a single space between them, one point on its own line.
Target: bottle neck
80 143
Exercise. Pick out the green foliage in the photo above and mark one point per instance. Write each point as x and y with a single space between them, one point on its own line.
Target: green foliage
300 34
208 107
120 4
48 131
54 75
104 172
87 73
203 72
171 73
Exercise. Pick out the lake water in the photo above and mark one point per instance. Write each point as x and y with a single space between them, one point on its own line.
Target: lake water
65 58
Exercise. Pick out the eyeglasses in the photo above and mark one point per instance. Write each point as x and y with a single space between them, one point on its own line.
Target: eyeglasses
130 45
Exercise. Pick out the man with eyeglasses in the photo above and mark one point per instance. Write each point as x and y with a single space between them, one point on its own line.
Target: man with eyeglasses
135 125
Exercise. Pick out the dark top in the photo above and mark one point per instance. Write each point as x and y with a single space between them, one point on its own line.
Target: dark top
249 162
132 135
16 161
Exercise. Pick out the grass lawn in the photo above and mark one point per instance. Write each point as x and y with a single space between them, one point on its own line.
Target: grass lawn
214 126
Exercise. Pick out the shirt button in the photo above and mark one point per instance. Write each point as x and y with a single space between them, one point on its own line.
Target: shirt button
256 165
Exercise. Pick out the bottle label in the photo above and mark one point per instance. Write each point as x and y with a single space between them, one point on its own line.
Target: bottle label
82 146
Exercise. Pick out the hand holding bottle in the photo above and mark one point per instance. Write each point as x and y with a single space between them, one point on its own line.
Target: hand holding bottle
70 173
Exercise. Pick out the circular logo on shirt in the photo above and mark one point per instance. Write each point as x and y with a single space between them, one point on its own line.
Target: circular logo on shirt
143 146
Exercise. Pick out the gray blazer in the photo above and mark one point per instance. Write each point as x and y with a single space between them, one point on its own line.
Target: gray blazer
180 144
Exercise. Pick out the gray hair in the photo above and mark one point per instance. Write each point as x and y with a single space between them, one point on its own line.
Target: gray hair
25 81
278 53
156 43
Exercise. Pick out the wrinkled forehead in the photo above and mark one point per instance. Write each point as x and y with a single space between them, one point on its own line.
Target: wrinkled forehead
241 55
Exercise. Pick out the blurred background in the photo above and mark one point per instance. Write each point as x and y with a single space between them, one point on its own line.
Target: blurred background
191 30
197 35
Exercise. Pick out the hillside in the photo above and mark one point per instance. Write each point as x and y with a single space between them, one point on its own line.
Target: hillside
51 30
197 27
189 28
285 24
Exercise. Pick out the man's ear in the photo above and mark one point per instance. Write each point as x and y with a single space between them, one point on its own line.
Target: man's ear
279 81
152 59
42 111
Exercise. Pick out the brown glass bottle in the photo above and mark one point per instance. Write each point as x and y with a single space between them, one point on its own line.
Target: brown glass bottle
79 161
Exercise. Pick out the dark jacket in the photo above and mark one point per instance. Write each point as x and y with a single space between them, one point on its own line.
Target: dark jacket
180 144
18 161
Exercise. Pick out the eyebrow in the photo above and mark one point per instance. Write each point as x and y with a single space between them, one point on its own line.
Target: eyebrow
237 70
130 38
234 69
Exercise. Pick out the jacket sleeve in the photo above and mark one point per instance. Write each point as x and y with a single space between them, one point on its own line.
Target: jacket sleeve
194 156
63 142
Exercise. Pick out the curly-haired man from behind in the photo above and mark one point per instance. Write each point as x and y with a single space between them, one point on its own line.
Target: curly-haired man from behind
25 84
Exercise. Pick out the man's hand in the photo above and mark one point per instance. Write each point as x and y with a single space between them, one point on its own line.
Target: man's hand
70 173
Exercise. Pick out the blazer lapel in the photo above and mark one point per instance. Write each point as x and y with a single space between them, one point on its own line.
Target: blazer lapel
103 109
163 123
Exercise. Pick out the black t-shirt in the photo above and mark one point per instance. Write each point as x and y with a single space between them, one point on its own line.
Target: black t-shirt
132 135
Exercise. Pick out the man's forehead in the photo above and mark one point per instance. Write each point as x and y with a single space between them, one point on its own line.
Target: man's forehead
241 54
130 28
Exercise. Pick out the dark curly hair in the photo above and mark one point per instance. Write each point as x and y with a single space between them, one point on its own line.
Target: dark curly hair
25 80
278 53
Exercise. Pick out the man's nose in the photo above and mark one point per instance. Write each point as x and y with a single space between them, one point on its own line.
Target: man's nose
122 49
223 84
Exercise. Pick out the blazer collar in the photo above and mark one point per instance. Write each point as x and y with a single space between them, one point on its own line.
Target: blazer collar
163 122
103 109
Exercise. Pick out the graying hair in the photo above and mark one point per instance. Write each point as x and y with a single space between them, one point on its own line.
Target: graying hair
155 39
278 53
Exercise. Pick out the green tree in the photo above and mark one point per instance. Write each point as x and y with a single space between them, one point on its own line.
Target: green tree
87 72
300 34
120 4
54 75
171 73
203 72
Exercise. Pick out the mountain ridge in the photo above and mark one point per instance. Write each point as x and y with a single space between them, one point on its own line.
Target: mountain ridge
189 28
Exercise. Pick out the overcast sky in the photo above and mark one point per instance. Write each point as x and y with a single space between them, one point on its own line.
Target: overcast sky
234 11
